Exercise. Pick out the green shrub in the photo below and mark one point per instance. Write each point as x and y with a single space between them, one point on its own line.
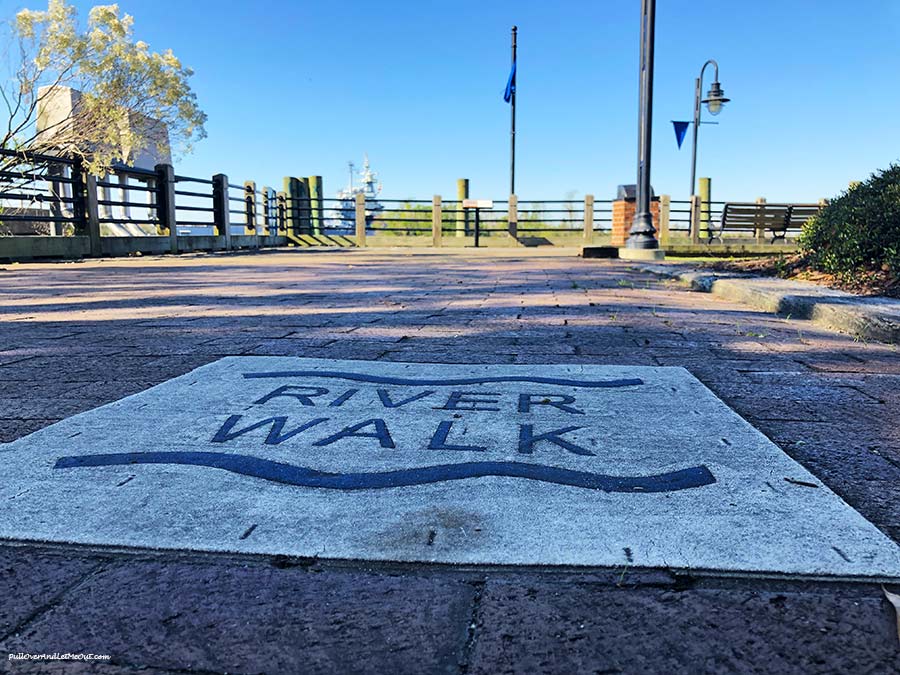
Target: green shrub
858 231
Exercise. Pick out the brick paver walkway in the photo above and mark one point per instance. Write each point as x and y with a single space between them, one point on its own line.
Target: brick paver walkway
74 336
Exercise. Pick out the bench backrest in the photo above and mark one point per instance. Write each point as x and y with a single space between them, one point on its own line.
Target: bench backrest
775 217
738 216
800 213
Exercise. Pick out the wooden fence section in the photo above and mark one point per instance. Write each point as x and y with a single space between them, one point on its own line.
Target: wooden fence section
51 208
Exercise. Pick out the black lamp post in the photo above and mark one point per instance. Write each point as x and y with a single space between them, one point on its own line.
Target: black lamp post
642 230
715 101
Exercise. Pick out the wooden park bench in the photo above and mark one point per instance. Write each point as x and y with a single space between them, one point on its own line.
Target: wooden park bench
777 218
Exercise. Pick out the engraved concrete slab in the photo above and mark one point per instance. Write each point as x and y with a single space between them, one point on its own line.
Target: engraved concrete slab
534 465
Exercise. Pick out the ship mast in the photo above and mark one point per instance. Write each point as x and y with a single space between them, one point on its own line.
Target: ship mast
368 187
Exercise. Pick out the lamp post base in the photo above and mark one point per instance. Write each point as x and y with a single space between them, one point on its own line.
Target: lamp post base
642 234
641 254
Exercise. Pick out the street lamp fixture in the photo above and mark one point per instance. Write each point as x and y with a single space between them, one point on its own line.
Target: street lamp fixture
715 100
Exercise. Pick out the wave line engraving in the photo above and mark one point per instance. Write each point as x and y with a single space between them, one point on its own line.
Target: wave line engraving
278 472
379 379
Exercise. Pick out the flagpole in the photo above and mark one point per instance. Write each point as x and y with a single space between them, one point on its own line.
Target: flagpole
512 132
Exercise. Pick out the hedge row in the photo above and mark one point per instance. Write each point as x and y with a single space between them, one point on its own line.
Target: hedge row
858 231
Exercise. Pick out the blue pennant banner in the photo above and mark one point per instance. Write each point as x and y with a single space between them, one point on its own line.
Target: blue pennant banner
510 84
680 130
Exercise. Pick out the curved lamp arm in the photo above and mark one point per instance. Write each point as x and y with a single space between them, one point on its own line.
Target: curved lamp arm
703 69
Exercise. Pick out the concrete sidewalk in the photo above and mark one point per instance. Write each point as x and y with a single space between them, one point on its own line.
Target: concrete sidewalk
866 318
75 336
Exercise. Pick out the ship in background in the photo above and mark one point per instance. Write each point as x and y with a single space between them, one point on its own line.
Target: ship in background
344 214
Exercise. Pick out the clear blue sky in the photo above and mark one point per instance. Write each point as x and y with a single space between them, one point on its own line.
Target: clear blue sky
296 87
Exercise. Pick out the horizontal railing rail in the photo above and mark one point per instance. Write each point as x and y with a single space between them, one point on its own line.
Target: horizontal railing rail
35 177
192 179
31 157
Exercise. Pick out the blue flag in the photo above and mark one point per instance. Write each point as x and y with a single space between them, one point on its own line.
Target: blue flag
510 84
680 130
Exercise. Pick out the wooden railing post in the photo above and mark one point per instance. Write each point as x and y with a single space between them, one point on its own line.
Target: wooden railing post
250 207
665 211
695 219
303 206
221 217
85 209
436 221
79 212
281 214
462 216
316 207
165 203
265 203
360 219
512 216
705 204
291 193
92 214
760 231
588 219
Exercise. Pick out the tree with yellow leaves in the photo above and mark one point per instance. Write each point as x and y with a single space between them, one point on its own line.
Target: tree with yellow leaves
124 93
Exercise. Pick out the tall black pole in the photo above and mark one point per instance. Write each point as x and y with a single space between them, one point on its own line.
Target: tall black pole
698 90
642 230
698 93
512 132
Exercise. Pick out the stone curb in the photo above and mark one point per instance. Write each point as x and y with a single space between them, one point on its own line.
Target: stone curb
876 319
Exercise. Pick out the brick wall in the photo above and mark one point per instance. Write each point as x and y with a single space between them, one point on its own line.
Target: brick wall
622 217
